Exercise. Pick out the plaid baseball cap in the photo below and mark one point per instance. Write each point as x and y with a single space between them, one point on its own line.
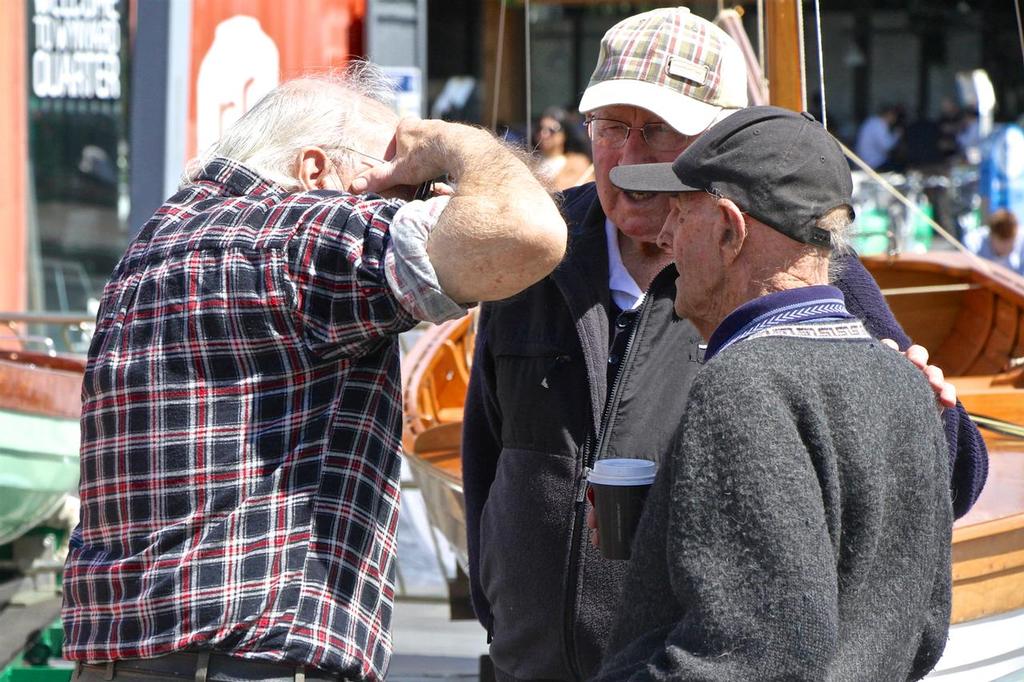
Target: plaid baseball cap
679 66
780 166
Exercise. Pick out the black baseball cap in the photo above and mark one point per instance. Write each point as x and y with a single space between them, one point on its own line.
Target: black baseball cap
781 167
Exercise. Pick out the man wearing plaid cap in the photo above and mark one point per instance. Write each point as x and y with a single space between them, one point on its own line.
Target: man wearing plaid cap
591 362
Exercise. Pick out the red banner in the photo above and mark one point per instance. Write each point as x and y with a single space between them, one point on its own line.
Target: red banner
241 49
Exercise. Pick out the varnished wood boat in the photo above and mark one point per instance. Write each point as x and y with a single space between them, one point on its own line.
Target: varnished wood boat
971 317
970 314
435 375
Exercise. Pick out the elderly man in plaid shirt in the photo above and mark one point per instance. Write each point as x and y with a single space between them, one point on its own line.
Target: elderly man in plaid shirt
241 404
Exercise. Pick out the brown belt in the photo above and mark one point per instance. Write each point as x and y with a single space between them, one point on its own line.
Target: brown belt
207 666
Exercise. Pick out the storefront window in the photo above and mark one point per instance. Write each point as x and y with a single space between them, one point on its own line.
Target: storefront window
77 148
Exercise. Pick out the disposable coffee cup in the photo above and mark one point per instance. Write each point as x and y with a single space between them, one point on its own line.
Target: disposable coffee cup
620 489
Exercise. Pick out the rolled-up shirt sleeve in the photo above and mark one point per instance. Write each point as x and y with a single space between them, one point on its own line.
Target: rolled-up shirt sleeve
407 267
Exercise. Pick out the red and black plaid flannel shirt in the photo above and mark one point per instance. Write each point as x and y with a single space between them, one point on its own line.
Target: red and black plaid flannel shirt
240 434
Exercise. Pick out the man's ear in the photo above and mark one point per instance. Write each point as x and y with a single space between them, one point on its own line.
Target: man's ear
316 170
734 233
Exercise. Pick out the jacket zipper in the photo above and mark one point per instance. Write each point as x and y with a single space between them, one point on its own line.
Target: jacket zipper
590 455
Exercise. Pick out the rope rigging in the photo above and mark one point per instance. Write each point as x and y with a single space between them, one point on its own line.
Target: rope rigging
497 65
1000 426
821 64
529 74
1020 27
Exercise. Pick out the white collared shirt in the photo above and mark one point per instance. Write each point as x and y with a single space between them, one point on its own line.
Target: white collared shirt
624 290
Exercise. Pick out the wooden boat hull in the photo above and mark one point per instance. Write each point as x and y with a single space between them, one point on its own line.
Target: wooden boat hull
969 313
445 504
39 438
38 469
435 374
988 543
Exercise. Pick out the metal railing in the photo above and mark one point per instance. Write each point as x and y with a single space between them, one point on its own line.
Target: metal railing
45 332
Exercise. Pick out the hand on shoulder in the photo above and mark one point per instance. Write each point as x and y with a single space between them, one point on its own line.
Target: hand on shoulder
945 392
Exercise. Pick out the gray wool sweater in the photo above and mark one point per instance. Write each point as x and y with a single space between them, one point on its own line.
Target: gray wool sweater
800 529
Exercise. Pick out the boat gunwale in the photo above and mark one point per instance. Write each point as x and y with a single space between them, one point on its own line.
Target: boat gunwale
988 528
956 265
414 367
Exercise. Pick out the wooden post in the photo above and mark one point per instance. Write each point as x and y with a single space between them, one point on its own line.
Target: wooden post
14 160
784 54
512 80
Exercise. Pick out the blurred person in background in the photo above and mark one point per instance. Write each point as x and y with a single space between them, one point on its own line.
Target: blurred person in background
951 122
969 137
925 149
878 136
1001 169
564 157
1001 243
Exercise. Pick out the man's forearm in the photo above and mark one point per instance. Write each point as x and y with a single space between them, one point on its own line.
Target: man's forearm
502 231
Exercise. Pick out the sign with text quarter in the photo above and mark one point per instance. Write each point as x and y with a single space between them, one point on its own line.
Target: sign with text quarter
76 49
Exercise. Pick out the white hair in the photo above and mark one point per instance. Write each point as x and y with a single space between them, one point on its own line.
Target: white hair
838 223
321 110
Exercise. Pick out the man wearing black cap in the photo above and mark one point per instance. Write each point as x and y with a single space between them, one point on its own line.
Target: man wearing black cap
800 527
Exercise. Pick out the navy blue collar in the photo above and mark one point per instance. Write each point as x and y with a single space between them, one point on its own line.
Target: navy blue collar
804 304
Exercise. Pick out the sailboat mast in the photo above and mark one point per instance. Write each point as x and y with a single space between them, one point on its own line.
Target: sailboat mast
784 54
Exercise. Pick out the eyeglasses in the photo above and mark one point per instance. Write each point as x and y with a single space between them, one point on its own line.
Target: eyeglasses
550 130
371 157
612 134
423 191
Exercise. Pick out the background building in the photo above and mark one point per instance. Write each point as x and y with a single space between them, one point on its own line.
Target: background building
107 99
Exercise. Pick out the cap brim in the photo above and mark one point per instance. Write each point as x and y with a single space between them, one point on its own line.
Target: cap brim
687 115
648 177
